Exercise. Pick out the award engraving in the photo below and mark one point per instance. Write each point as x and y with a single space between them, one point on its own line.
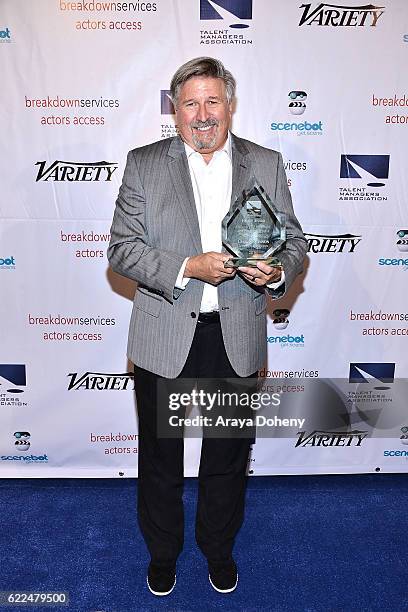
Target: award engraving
253 230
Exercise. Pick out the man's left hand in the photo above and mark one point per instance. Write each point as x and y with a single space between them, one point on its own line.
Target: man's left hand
261 275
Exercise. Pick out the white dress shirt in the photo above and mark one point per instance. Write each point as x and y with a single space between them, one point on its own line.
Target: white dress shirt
212 185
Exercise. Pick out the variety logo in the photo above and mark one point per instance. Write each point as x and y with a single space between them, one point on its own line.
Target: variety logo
5 36
97 381
367 167
280 318
402 241
166 105
335 15
22 442
374 373
228 10
335 243
330 438
297 105
7 263
76 171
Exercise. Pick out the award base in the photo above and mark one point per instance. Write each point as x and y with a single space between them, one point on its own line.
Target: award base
250 262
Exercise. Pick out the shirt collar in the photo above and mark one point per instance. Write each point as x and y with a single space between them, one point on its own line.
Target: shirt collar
226 147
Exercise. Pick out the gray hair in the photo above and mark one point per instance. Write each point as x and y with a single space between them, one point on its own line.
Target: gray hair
202 66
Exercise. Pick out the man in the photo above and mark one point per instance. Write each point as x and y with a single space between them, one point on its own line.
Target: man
193 317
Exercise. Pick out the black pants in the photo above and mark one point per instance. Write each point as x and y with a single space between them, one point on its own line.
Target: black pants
222 473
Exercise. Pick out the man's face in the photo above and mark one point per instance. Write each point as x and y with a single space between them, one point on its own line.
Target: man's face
203 114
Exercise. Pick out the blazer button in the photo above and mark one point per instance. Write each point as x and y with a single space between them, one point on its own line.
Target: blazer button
193 315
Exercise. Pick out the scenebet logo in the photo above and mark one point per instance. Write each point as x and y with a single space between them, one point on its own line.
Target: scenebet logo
337 16
76 171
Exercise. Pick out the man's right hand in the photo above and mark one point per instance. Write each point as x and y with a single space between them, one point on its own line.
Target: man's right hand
209 267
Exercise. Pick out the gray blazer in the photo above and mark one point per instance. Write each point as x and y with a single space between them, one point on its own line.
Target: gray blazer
155 227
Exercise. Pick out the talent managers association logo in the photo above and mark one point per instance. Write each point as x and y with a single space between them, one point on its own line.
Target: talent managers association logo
370 168
13 381
373 170
335 15
230 17
227 10
168 129
166 104
373 373
12 377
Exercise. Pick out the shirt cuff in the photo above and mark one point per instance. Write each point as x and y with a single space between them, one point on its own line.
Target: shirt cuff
278 283
181 282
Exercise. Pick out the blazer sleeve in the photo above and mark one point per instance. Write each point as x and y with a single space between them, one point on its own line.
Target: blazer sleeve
129 251
295 248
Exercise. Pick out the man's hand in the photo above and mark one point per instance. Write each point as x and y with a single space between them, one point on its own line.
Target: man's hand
209 267
261 275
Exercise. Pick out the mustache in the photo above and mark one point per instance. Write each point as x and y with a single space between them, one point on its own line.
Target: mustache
204 124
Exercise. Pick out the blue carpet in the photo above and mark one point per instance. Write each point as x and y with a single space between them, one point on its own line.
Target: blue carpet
309 544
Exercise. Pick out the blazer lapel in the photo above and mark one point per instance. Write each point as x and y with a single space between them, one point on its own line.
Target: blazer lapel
180 175
241 168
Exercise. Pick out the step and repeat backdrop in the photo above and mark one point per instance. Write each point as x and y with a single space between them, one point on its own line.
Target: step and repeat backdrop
83 82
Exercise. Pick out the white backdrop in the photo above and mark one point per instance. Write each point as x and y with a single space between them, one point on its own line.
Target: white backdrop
84 82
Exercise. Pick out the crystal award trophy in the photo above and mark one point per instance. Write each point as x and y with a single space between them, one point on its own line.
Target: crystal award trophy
253 230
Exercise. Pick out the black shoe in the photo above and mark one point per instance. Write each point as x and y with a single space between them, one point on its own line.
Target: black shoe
223 576
161 580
